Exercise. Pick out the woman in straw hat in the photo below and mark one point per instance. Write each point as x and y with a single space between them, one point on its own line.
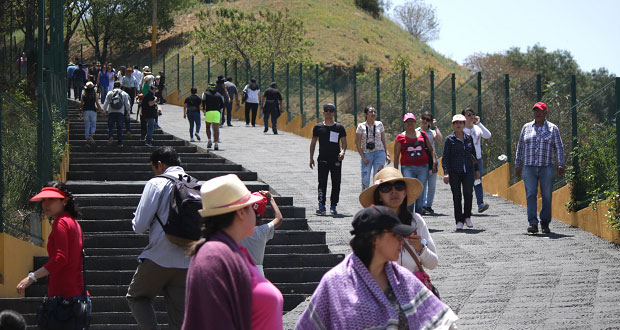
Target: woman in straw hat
391 189
368 290
89 106
224 288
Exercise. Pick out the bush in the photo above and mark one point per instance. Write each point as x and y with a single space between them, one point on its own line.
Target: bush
373 7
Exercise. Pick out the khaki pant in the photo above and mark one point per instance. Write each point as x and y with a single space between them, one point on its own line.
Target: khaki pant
151 280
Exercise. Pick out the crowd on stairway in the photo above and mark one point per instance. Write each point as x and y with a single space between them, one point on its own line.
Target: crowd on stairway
214 278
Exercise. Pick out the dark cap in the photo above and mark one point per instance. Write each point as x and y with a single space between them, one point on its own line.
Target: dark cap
329 106
378 217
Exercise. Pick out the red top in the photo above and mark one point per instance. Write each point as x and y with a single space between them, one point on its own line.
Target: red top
64 248
412 150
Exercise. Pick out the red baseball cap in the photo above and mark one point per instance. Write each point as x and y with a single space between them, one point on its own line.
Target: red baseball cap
540 105
48 192
261 205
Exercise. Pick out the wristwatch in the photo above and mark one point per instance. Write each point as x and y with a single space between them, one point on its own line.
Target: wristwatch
32 277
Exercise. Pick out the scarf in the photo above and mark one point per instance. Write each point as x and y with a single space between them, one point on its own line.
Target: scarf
348 297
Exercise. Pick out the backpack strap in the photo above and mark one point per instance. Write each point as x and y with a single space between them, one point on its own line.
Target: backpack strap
161 195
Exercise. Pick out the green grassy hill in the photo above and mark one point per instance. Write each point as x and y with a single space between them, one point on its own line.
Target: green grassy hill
342 34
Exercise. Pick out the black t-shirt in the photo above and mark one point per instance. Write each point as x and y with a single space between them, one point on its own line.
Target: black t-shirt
212 100
329 140
272 96
149 111
193 103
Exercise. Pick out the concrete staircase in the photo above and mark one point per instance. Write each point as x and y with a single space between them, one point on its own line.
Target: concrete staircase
107 182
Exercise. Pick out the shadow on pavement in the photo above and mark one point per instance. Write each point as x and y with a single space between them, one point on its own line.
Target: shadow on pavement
550 236
434 230
470 231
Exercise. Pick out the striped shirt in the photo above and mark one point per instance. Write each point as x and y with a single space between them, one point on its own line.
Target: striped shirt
537 144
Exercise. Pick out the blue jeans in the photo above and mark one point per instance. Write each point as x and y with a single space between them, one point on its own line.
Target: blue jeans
419 172
118 119
376 160
103 90
429 190
150 128
274 113
90 122
532 175
478 188
127 124
194 118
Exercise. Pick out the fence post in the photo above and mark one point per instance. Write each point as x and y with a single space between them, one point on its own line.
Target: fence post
178 76
618 132
301 92
316 84
40 92
2 70
273 71
480 95
453 94
225 68
288 88
235 69
433 94
1 171
378 80
164 64
404 74
208 71
573 108
260 78
355 95
538 87
247 72
193 71
507 104
81 53
335 93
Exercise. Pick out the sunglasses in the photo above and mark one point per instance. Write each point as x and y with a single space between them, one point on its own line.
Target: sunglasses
387 186
427 119
329 110
469 114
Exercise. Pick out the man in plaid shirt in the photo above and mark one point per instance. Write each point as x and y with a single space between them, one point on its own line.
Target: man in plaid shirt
538 142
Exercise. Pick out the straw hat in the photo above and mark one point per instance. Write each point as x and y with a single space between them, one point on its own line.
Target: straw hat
224 194
390 174
90 85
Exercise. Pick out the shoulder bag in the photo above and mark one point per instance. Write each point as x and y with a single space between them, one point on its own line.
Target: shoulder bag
421 274
428 151
58 313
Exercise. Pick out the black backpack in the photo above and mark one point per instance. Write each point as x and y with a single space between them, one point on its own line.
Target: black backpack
184 222
117 101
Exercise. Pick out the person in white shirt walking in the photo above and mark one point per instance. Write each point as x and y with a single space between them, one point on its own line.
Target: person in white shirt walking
433 134
474 127
163 265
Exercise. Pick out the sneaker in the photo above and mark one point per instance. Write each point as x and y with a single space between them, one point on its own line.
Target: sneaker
532 229
209 144
247 125
229 125
120 145
265 130
148 144
197 136
275 131
429 210
332 209
110 141
128 134
321 210
483 207
192 140
459 226
215 147
424 211
469 223
545 228
253 125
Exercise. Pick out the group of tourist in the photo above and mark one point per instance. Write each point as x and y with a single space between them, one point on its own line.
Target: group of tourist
117 90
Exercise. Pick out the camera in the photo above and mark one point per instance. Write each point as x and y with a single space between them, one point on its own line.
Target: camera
370 145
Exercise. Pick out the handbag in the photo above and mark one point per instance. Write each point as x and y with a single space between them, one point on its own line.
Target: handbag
428 151
58 313
421 274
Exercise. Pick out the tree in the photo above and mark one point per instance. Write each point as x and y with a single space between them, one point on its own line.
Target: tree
419 19
373 7
554 66
269 37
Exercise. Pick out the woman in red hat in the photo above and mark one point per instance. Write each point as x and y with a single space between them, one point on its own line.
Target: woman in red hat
64 245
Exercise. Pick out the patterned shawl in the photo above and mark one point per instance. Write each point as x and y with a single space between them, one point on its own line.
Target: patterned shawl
349 298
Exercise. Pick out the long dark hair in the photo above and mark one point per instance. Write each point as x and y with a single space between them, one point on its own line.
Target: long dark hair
363 245
403 212
71 206
253 85
210 226
89 94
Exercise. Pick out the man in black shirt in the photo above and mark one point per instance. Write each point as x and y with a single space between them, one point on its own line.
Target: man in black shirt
331 136
212 105
272 105
149 113
191 111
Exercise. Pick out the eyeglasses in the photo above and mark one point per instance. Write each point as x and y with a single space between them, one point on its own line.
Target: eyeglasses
428 119
387 186
329 110
469 114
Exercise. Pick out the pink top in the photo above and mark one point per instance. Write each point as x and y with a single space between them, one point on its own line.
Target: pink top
267 300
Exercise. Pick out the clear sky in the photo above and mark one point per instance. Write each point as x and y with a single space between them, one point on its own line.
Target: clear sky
589 30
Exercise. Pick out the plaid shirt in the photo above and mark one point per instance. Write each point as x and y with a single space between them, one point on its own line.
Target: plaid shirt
459 156
537 144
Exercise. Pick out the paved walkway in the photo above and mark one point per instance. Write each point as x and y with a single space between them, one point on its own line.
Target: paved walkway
494 276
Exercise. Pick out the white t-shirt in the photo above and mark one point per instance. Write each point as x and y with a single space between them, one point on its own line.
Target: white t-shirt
478 132
252 94
428 258
378 128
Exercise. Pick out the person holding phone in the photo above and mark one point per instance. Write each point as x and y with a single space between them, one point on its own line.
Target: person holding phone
434 134
474 127
391 189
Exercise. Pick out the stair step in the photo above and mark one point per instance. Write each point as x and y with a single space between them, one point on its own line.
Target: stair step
96 159
146 167
131 187
131 142
74 136
84 200
269 249
147 175
129 149
144 156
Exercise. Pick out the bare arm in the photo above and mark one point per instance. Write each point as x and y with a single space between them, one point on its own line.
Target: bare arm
277 220
396 153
